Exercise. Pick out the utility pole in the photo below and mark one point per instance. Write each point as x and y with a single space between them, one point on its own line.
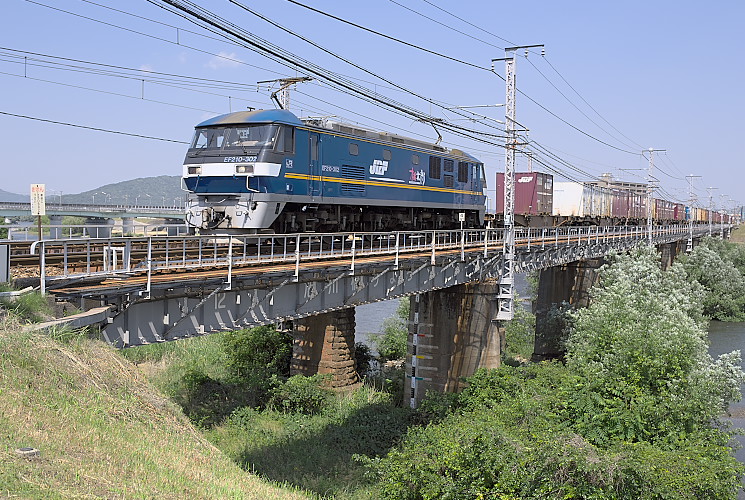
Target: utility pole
722 197
709 190
506 283
284 89
649 192
689 246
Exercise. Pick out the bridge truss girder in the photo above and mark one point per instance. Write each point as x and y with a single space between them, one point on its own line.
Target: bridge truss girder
198 308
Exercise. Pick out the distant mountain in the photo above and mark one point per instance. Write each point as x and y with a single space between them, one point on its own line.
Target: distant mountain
13 197
164 190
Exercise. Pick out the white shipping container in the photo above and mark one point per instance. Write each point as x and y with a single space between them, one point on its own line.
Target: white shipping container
568 199
581 199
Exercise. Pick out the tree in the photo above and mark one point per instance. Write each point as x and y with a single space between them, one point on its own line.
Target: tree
392 344
640 352
632 414
712 265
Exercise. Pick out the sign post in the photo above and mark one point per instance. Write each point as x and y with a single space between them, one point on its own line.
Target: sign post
39 208
38 203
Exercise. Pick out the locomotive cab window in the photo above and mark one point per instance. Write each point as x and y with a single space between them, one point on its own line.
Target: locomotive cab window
285 139
209 138
434 167
251 136
462 171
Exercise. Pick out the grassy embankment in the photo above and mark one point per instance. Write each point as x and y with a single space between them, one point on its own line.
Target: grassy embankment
738 236
101 429
285 437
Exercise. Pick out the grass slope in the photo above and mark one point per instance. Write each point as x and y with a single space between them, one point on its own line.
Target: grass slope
102 430
738 235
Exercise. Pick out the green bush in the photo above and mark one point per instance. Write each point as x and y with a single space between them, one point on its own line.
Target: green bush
632 415
299 394
392 344
520 335
508 437
258 355
641 354
363 357
712 265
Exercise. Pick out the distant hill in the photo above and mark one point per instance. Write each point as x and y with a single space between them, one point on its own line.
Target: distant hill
13 197
164 190
144 191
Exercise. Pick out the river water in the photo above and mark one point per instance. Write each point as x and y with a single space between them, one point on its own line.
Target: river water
726 337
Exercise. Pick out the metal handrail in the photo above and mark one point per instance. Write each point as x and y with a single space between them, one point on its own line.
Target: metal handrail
199 251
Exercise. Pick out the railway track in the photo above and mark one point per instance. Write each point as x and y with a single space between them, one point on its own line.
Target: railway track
128 261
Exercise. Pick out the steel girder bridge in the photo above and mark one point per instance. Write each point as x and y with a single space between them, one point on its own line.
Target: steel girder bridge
186 286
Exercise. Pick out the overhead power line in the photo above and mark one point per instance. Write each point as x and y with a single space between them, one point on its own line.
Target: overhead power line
207 20
92 128
392 38
519 90
446 25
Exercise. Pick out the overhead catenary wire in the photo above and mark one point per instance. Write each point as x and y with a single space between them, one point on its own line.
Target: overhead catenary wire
211 22
405 114
179 29
574 105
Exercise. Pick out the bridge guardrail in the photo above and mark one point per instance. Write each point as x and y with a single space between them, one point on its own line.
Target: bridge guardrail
125 255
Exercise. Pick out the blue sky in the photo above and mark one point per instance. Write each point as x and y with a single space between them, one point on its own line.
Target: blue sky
663 74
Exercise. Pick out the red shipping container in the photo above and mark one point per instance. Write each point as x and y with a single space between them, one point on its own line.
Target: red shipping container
534 193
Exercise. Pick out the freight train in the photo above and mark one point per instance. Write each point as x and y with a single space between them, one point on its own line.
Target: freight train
269 171
540 202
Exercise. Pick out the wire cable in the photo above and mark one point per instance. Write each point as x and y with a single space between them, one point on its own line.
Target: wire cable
388 37
92 128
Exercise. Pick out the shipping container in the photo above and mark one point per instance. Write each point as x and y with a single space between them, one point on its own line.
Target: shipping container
582 199
533 193
679 212
621 203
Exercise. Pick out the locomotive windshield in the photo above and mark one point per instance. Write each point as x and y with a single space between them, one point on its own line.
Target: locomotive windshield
244 136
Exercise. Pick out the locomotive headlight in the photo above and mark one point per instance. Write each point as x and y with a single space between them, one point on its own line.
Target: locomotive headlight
195 170
244 169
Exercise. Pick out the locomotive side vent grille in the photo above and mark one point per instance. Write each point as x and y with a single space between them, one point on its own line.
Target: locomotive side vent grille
353 172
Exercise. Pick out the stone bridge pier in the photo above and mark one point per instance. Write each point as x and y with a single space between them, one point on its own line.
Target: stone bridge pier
324 344
98 227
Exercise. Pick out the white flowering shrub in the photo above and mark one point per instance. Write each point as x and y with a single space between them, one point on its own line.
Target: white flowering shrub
640 353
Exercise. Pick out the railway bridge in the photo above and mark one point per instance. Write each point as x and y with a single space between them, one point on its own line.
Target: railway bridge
159 289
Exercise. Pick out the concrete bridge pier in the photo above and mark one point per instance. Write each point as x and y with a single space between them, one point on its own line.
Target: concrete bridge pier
55 230
669 252
99 227
568 283
451 335
324 344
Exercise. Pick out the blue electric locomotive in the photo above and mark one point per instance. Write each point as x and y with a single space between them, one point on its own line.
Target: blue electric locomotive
267 170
